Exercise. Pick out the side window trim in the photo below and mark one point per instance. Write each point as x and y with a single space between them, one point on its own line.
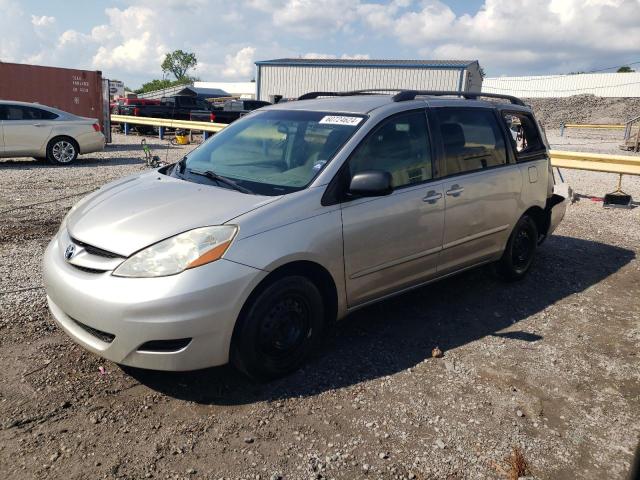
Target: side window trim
441 150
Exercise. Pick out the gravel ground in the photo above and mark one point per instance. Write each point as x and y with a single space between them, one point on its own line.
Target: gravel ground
548 366
584 109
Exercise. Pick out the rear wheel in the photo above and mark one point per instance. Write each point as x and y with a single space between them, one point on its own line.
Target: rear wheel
62 151
520 252
279 329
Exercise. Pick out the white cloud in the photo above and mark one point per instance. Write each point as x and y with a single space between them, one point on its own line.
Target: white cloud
240 65
515 34
42 20
310 18
507 36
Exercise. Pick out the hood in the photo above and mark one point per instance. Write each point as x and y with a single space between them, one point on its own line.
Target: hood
130 214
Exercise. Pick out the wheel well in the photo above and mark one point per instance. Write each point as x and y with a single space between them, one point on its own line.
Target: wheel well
541 218
315 272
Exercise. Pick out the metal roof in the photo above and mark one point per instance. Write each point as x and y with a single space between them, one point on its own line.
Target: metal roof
375 63
203 92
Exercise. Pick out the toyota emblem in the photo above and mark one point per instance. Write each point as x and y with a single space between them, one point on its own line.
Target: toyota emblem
70 252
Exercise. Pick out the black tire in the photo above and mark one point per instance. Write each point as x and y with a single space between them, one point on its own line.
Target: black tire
278 329
145 130
62 151
520 252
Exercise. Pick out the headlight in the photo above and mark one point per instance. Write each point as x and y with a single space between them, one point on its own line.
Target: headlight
176 254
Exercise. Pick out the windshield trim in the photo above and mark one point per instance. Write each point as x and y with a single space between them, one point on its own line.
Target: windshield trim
278 190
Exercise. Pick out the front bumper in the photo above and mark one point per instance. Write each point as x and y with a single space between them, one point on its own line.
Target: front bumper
202 304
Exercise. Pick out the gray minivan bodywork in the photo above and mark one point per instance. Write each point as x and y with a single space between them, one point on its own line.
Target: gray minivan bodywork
364 249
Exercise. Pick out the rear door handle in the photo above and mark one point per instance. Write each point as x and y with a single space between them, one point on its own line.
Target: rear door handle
432 197
39 125
455 191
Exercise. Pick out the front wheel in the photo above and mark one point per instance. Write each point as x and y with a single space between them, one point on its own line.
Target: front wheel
62 151
279 329
520 252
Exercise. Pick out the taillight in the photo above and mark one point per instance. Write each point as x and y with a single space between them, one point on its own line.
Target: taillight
96 127
212 117
136 111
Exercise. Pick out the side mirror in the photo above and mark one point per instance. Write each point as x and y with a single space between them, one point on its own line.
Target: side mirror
371 183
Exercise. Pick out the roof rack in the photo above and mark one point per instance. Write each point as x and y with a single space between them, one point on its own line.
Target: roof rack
371 91
405 95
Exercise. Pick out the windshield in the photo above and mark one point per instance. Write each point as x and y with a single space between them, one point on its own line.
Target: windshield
273 152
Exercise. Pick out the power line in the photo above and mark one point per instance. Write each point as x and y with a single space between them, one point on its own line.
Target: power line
536 78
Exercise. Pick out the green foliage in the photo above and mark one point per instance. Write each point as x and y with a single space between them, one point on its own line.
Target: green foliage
160 84
625 69
178 63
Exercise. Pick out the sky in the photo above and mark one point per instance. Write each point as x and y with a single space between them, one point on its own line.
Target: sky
127 39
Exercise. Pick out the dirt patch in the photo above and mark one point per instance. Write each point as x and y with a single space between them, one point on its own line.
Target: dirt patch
547 367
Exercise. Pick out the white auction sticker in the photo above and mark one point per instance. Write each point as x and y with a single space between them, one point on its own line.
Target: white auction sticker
340 120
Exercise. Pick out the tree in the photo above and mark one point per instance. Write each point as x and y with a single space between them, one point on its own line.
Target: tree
625 69
179 63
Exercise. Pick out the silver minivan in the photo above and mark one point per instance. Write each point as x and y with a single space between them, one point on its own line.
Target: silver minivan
294 216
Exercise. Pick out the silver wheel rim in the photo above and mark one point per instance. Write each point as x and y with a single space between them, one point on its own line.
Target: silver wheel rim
63 151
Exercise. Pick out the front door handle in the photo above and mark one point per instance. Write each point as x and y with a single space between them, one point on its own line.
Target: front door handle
455 190
432 197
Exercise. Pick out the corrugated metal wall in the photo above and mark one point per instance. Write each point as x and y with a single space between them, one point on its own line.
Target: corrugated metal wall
74 91
293 81
600 84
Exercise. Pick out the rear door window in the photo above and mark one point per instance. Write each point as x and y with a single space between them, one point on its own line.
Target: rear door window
472 140
33 113
21 112
14 112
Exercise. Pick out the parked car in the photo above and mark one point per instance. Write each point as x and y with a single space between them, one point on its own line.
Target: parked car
117 106
178 107
292 217
34 130
229 112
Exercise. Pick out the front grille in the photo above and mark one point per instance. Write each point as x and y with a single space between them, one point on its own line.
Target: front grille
87 270
164 345
99 334
99 252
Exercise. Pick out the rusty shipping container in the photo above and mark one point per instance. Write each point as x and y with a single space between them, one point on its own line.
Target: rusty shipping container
75 91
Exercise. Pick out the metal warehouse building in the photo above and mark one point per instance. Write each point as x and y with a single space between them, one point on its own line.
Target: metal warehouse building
291 77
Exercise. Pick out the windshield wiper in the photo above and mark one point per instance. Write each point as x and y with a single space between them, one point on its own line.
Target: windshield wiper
220 179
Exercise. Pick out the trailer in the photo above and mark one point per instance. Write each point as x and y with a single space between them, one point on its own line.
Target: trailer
75 91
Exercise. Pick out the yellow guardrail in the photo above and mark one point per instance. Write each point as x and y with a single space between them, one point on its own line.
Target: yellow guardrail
615 126
596 162
168 123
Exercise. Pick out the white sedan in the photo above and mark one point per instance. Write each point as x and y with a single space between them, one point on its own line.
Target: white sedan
34 130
